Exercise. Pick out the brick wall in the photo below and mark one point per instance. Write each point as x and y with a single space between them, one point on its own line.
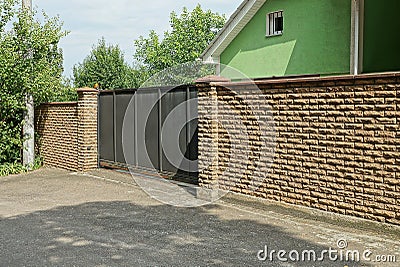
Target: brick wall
67 132
329 143
56 125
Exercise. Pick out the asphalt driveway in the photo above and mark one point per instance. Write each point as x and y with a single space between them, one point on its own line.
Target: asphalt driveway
56 218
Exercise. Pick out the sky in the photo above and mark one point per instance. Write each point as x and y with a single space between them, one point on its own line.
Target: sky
118 21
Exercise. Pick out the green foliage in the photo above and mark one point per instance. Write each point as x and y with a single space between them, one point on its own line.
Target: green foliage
7 12
12 168
66 93
31 62
105 66
17 168
190 34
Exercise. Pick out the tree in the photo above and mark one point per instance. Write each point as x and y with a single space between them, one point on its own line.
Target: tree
31 62
190 34
66 93
106 66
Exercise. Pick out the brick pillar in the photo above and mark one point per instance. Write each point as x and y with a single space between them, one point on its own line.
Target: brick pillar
87 129
208 135
208 130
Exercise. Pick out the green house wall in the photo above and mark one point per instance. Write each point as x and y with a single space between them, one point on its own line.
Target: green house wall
316 40
381 36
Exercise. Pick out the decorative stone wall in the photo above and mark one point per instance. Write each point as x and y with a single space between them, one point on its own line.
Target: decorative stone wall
336 143
67 132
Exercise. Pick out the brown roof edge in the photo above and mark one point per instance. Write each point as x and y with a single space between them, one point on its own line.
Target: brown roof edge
310 79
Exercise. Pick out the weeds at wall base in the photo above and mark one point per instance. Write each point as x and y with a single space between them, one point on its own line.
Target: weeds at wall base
17 168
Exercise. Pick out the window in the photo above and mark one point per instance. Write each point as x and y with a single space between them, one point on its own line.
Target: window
275 23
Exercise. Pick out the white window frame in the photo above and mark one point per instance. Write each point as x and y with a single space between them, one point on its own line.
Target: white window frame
270 31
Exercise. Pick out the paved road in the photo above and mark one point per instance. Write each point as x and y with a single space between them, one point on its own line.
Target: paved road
56 218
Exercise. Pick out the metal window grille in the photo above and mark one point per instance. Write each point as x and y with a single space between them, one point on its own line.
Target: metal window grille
275 23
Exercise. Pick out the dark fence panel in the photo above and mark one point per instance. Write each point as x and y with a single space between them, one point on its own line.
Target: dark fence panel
106 127
145 113
122 101
168 135
193 130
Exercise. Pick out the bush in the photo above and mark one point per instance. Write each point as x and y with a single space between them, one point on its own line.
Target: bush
12 168
17 168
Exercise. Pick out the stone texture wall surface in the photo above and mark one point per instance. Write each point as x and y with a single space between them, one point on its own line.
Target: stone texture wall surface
330 143
67 132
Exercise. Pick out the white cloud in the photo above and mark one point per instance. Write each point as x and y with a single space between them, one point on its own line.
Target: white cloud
119 21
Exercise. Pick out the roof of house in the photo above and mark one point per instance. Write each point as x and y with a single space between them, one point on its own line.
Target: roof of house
239 19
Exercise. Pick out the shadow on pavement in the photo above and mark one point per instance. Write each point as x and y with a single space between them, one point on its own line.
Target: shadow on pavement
125 234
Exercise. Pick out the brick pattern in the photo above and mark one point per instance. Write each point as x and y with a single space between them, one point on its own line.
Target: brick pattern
336 146
56 126
68 132
87 129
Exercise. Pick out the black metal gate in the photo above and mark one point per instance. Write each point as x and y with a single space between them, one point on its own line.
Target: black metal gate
142 129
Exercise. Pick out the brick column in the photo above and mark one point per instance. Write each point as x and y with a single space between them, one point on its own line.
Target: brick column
208 135
208 131
87 129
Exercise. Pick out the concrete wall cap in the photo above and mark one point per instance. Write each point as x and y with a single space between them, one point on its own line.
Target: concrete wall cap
283 80
87 89
60 103
212 78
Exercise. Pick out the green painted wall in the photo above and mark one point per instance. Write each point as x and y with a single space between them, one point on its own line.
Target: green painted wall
381 36
316 40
